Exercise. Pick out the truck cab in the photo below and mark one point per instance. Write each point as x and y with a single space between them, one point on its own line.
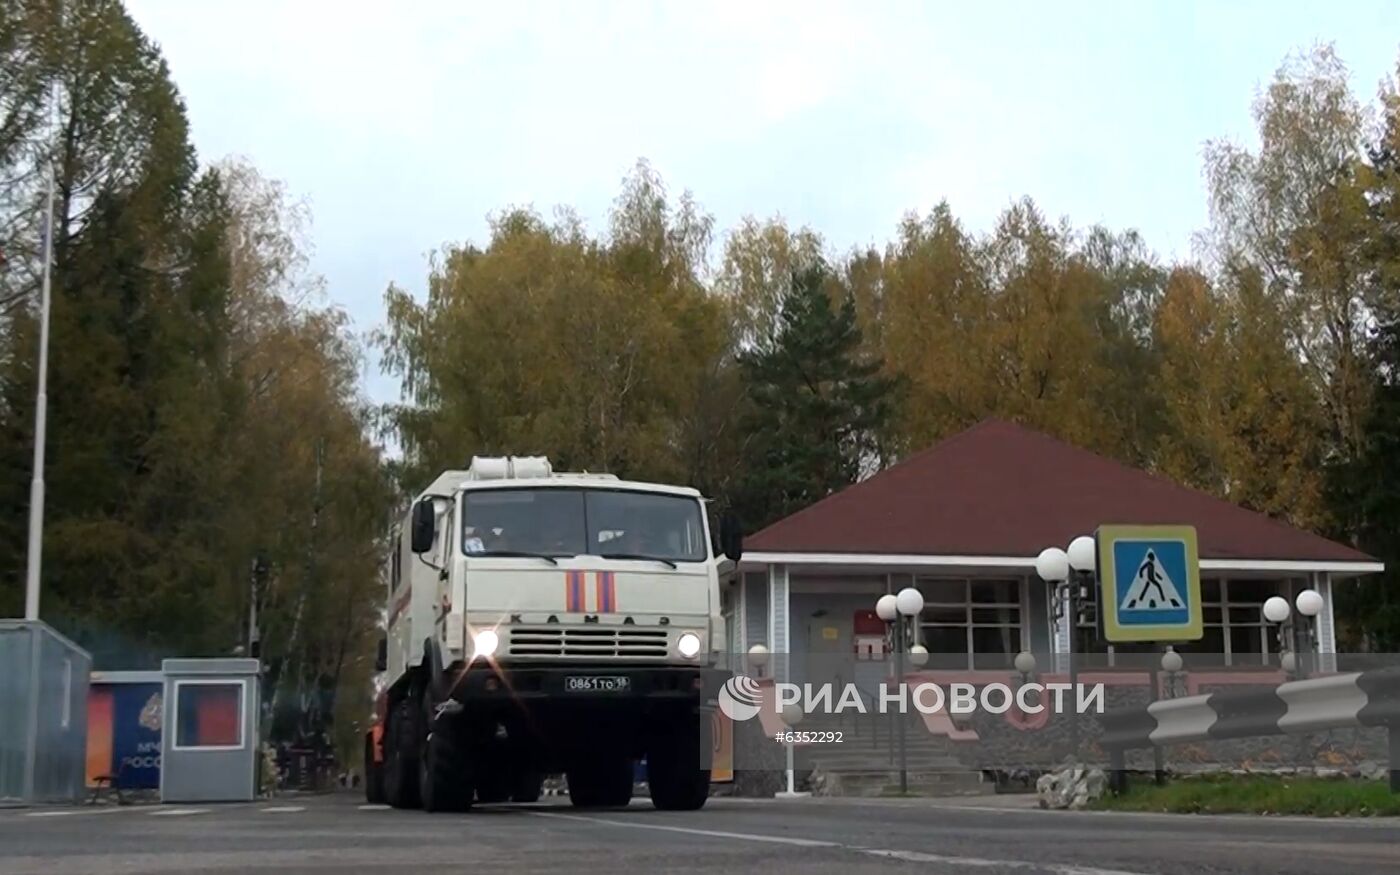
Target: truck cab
543 622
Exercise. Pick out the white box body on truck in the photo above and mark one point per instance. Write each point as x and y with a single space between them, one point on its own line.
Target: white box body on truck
543 623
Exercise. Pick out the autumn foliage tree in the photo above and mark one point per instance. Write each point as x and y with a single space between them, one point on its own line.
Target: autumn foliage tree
204 406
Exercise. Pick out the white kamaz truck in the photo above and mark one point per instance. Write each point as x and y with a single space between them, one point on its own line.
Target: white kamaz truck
543 623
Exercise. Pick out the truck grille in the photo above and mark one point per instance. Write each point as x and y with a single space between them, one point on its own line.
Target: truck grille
614 642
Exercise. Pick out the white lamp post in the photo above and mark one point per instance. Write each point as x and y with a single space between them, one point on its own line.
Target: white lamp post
1296 637
1067 571
33 567
898 610
792 715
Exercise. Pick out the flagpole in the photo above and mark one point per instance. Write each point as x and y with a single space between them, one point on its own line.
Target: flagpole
41 398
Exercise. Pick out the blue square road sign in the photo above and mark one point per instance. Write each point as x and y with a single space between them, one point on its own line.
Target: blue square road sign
1149 583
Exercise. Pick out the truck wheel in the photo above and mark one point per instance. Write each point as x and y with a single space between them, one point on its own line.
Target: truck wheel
444 777
678 768
401 757
374 774
528 785
603 783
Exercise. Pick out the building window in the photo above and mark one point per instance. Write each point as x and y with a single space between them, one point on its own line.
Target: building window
1234 632
971 623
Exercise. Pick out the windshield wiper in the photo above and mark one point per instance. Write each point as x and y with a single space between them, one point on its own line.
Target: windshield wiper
552 560
639 556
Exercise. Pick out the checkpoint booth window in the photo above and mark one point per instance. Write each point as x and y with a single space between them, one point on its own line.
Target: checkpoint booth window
210 714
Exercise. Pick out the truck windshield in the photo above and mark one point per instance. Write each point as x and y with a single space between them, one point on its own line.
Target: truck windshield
559 522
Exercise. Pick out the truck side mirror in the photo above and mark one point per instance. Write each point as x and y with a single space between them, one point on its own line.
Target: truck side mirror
424 526
731 537
381 656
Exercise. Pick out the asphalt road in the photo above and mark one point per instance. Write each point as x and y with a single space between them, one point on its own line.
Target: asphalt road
338 834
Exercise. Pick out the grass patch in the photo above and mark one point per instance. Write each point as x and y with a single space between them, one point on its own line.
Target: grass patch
1258 794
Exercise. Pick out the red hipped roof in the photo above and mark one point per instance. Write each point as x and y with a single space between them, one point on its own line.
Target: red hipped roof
999 489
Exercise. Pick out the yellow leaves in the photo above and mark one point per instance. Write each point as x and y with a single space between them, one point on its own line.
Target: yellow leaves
1241 419
590 350
760 258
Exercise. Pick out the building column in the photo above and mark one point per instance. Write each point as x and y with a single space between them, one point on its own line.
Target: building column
1326 624
779 620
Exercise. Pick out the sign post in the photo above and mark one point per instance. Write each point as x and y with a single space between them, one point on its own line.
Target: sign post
1149 590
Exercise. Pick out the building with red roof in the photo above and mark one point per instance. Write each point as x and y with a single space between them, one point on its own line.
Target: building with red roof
964 520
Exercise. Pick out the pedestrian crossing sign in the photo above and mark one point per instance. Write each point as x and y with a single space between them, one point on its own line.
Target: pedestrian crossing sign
1149 583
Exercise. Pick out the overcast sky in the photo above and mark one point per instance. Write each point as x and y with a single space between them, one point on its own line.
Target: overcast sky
405 124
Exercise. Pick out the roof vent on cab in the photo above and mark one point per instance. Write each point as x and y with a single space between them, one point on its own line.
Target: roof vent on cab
509 468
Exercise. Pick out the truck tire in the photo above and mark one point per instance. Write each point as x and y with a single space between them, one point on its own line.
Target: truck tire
401 740
444 776
678 767
374 774
603 783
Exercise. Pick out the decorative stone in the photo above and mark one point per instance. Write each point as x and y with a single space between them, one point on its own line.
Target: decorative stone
1073 787
1371 770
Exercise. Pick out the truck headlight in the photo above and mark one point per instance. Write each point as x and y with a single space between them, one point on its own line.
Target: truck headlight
688 645
485 642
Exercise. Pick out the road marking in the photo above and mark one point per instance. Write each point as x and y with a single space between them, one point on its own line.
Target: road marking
979 862
374 807
283 809
71 812
718 834
906 856
178 812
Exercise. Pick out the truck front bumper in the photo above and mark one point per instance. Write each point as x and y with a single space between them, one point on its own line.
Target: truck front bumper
483 684
538 709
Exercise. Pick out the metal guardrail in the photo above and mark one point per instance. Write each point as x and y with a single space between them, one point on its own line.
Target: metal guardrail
1363 699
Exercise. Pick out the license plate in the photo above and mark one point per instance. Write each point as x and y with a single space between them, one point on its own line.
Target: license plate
597 684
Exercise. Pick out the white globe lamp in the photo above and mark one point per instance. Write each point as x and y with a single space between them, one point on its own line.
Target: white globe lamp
1025 662
1081 554
887 608
909 602
1309 603
758 656
1276 609
1171 661
918 654
793 714
1052 565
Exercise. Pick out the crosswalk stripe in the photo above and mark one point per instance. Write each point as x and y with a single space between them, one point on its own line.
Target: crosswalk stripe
283 809
374 808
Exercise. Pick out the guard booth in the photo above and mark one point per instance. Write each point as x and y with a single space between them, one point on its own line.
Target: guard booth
210 741
43 724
